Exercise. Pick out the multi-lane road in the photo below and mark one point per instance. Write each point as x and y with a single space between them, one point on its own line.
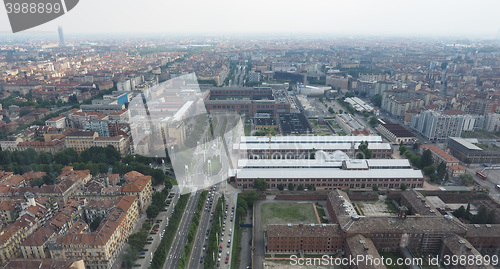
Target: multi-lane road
180 238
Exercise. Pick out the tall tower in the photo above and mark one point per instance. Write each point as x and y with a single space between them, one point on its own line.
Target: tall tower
61 37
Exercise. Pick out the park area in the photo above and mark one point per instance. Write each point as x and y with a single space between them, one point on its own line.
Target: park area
284 213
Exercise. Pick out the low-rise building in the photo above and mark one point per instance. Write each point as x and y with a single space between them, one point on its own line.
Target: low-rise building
359 246
470 153
440 156
397 133
308 238
457 246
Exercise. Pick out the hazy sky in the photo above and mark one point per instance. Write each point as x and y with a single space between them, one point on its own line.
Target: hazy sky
346 17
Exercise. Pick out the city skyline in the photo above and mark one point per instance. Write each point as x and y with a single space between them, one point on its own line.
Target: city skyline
383 18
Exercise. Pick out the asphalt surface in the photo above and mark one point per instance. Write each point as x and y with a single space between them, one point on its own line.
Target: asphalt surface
180 238
205 224
246 236
151 248
230 194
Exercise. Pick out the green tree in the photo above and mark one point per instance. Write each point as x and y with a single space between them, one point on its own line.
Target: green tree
157 177
375 188
429 169
441 169
467 179
415 160
250 197
377 100
152 211
159 199
48 180
37 182
300 187
373 121
403 187
260 184
468 215
168 184
103 167
281 187
415 146
460 212
363 151
290 186
402 149
426 158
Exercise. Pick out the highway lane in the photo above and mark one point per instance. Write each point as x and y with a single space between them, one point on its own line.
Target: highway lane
200 241
180 238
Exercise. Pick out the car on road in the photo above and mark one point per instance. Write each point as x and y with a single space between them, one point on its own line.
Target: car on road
227 259
156 230
143 253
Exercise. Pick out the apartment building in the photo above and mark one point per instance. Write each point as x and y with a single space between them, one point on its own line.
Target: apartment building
35 246
10 143
247 101
140 186
398 107
83 140
99 249
51 147
57 122
438 126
